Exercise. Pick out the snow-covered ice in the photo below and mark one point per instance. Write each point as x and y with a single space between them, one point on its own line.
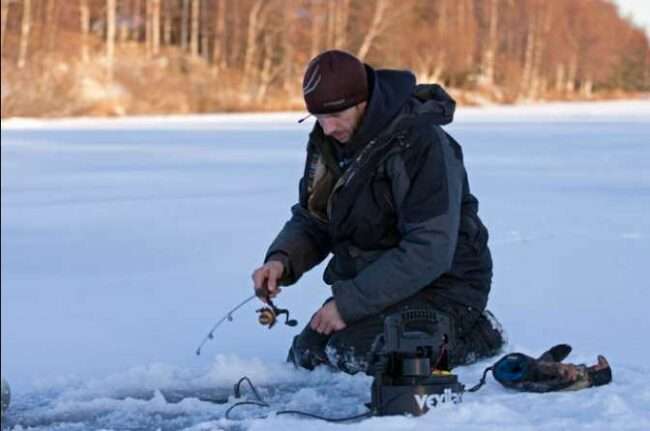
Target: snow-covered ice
123 240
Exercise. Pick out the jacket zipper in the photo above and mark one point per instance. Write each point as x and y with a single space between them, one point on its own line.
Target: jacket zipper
345 178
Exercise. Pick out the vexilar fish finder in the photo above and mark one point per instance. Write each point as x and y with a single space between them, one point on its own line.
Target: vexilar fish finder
411 367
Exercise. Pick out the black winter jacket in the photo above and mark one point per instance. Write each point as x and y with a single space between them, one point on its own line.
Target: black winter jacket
400 219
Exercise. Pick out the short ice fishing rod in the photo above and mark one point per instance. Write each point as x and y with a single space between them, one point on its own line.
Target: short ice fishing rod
267 316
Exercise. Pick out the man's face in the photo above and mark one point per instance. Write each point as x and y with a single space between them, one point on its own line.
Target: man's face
342 125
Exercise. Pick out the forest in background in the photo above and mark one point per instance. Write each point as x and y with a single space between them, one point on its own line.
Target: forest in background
123 57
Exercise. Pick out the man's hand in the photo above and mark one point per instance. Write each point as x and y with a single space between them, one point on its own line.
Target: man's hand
327 319
266 278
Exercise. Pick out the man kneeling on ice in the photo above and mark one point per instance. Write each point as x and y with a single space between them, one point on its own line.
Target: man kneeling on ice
386 192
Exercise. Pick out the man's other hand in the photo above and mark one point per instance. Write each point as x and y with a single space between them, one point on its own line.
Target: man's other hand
266 278
327 319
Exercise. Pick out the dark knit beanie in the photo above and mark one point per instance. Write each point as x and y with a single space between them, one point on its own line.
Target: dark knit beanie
334 81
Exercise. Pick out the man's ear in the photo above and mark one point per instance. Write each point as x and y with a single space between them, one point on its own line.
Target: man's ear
362 107
361 111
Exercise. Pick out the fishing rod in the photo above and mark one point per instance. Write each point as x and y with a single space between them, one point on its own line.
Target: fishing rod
267 316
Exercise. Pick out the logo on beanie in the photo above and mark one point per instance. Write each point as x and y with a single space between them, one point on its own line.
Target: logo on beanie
335 103
312 82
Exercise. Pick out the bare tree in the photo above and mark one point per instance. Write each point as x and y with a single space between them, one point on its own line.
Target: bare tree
342 17
110 38
288 20
24 33
84 14
167 22
430 56
529 55
467 22
136 33
267 71
489 54
148 30
219 55
185 13
51 29
125 16
315 15
252 47
338 12
5 12
155 27
235 46
375 29
194 29
330 32
538 81
204 46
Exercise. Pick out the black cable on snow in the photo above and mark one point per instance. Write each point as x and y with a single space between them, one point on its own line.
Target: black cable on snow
481 382
314 416
262 403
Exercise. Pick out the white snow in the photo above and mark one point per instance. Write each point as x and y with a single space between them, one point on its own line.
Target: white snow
124 240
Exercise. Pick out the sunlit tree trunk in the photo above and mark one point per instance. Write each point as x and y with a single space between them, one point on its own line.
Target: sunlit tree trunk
466 22
572 67
126 17
489 54
529 56
110 38
219 54
559 78
587 86
52 27
136 33
24 33
252 47
84 13
155 27
235 47
315 29
330 32
646 74
538 81
204 47
266 73
148 31
572 74
288 50
185 14
342 17
194 28
5 12
167 22
375 28
431 65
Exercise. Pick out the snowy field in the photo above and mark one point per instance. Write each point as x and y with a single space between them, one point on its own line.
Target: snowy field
124 240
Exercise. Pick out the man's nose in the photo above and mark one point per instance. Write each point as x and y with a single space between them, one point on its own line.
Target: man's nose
328 125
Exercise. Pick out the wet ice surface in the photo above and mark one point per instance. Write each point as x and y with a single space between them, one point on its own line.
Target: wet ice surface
124 240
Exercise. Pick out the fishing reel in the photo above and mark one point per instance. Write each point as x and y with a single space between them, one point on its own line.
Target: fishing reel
268 316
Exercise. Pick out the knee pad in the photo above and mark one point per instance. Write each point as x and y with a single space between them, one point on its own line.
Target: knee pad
306 355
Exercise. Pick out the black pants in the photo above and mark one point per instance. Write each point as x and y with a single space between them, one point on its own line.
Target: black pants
473 335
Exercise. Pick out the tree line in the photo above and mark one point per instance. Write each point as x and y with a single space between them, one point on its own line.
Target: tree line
509 49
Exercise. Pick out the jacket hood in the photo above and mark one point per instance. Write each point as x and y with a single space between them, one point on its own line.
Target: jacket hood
389 92
432 104
395 102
